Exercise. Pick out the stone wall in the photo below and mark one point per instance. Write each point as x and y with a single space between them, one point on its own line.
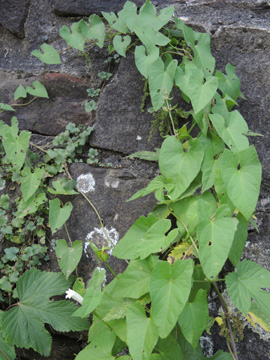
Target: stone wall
240 32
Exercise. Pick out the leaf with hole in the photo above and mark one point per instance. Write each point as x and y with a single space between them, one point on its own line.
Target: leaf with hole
58 215
31 205
242 174
49 55
37 90
68 257
215 240
247 282
169 290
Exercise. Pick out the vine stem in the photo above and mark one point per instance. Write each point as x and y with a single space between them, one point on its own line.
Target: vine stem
38 147
225 309
170 115
29 102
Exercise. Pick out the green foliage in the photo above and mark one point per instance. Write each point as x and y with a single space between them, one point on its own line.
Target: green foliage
37 90
68 257
58 215
49 55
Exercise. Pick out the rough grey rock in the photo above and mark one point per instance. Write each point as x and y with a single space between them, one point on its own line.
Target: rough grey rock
13 14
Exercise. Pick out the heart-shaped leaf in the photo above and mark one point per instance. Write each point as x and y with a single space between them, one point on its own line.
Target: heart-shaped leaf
68 257
121 45
49 55
57 215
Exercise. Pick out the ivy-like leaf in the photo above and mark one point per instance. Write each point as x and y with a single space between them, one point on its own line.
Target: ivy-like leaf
121 45
34 309
142 333
75 38
161 81
194 318
246 283
232 131
126 247
20 92
57 215
93 295
37 90
215 241
30 182
68 257
15 145
169 290
180 165
49 55
144 61
242 173
191 82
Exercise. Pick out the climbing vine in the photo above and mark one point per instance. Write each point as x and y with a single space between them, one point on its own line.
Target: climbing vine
206 195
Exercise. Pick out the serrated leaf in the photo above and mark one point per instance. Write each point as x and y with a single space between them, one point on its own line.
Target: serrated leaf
169 290
144 61
256 315
229 84
37 90
180 165
194 318
6 107
30 182
142 333
134 281
58 215
121 45
155 239
192 83
93 295
15 145
34 309
126 247
242 173
31 205
161 81
246 283
73 38
231 130
239 240
63 186
215 241
20 92
7 352
49 55
68 257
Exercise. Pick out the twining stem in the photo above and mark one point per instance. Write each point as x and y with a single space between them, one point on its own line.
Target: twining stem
25 104
38 147
168 108
111 270
225 310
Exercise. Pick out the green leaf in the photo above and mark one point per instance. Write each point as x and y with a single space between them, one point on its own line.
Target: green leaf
49 55
194 318
101 344
256 315
63 186
246 283
155 240
96 30
144 61
126 247
239 240
20 92
121 45
6 107
75 38
180 165
161 81
146 155
68 257
7 352
57 215
229 84
37 90
169 290
168 349
142 333
30 182
31 205
232 130
34 309
242 173
93 295
215 241
191 82
134 281
15 145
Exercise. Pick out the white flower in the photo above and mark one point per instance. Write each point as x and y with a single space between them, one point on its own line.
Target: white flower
74 295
